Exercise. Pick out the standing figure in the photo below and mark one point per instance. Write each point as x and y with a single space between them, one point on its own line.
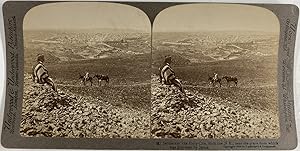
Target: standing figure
40 73
216 76
215 79
86 78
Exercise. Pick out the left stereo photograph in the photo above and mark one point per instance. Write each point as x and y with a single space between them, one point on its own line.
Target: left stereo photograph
86 76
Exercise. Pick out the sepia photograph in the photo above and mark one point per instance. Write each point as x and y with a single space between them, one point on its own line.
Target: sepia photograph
87 71
205 72
214 72
149 75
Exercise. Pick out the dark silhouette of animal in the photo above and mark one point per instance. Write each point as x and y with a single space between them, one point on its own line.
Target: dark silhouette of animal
230 79
101 78
40 74
213 81
86 78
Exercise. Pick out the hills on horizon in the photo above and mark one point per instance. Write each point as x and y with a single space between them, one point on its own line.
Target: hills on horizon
129 30
93 30
190 47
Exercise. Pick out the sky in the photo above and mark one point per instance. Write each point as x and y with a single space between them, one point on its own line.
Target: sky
188 18
85 15
216 17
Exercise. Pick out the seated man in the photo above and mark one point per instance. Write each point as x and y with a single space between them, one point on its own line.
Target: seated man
40 73
167 75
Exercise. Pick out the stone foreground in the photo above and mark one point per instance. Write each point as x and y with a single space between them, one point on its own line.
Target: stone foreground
175 115
63 114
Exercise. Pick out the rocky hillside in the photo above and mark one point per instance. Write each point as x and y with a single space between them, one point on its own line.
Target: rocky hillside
175 115
63 114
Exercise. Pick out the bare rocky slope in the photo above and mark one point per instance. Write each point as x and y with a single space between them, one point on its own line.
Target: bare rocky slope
175 115
63 114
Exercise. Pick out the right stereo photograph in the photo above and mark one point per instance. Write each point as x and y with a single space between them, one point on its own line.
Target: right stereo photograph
214 72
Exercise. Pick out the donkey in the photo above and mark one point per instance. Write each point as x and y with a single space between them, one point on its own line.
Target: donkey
101 77
230 79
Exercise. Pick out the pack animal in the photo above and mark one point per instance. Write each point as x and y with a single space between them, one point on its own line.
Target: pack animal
231 79
101 78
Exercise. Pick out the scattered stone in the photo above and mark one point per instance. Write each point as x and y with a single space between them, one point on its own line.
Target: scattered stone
46 113
174 115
